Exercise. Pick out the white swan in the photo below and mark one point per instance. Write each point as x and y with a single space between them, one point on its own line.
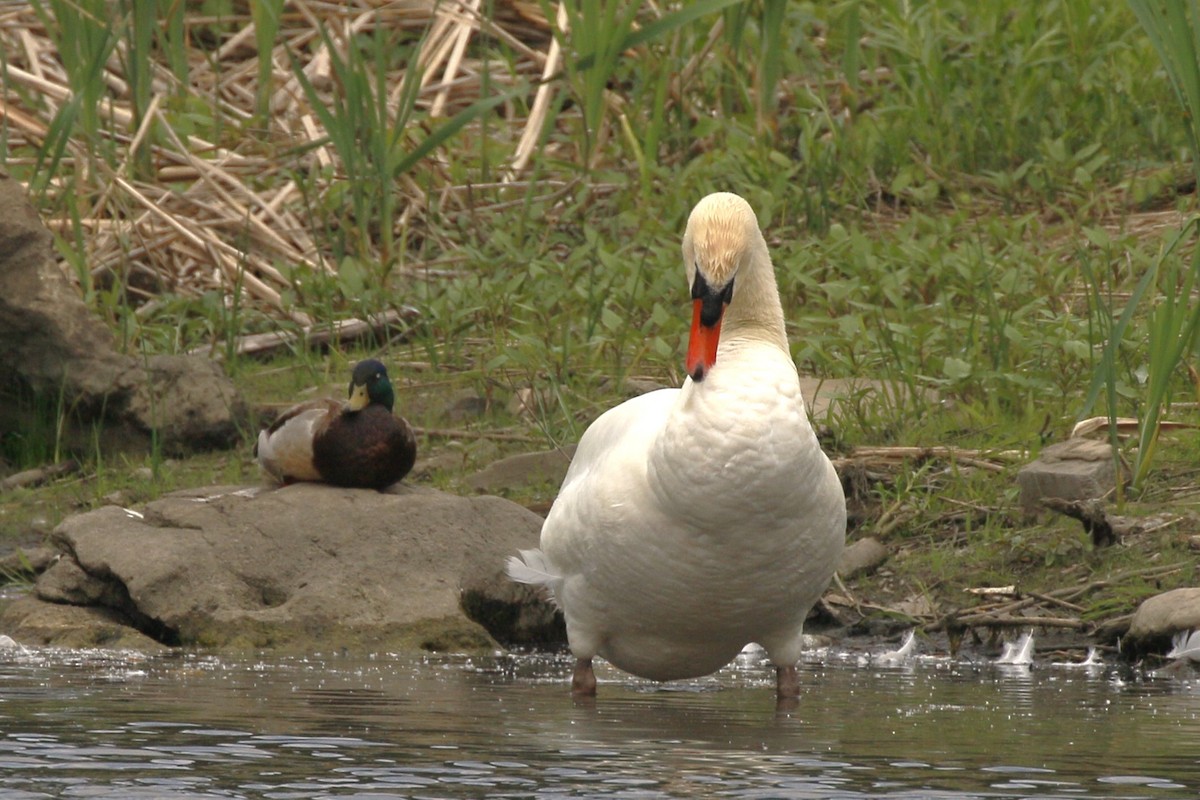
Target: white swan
693 521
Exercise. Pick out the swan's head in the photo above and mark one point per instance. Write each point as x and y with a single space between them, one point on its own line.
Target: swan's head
716 244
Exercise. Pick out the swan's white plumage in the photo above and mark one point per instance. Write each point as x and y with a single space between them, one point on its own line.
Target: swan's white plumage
693 521
1185 645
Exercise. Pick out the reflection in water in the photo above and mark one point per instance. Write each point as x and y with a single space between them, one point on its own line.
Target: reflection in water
120 726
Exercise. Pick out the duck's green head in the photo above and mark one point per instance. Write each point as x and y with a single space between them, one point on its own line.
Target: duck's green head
369 384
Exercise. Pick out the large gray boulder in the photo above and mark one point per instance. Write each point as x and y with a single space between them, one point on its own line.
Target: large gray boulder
305 567
1159 618
53 347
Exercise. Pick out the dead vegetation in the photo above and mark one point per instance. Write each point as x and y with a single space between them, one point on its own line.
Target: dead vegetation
227 205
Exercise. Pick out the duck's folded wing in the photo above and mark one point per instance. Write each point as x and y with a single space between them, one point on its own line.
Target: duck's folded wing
285 450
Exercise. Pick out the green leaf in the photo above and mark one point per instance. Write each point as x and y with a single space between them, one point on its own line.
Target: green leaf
955 368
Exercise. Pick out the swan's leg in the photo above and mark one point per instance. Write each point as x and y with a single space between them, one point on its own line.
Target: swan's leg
787 682
583 682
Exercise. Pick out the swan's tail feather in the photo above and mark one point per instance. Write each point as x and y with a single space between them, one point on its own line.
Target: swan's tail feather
532 567
1186 645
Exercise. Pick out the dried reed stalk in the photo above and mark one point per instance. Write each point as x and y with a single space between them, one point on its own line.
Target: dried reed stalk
218 208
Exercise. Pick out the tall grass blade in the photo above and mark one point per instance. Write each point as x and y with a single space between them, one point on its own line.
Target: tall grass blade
266 15
1173 28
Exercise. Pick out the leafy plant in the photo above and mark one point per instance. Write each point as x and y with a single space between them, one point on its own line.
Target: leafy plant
1173 320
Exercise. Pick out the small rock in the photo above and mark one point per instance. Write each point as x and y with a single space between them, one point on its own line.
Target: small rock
862 556
526 469
514 614
27 563
447 461
1077 469
466 408
31 621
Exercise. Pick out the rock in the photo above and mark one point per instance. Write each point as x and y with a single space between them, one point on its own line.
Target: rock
27 562
54 348
526 469
1159 618
304 567
466 407
862 556
1077 469
34 622
515 614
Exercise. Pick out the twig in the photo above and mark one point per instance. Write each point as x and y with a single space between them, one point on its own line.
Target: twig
1007 621
341 331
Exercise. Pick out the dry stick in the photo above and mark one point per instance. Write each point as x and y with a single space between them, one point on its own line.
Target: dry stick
1002 620
287 221
1072 592
489 27
937 451
1002 615
213 176
318 69
438 45
109 263
244 36
30 45
324 160
102 201
22 121
115 113
220 252
1055 601
461 37
541 101
341 331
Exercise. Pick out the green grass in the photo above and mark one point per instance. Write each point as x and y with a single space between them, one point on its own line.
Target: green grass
967 200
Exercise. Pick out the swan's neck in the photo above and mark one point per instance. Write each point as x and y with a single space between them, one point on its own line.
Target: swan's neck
755 311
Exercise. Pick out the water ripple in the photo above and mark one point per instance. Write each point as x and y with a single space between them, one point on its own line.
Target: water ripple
398 727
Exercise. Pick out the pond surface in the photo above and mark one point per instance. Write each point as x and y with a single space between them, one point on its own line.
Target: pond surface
115 725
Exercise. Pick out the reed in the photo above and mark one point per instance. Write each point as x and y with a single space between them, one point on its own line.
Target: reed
928 175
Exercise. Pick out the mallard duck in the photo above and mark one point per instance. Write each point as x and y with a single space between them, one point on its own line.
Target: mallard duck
359 443
694 521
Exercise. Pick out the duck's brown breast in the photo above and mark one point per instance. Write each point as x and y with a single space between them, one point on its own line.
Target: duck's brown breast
371 448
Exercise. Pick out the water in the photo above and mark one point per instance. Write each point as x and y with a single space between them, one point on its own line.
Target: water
110 725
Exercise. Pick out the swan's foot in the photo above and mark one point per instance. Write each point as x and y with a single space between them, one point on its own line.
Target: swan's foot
787 683
583 682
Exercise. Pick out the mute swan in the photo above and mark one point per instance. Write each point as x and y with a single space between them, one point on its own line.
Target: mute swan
693 521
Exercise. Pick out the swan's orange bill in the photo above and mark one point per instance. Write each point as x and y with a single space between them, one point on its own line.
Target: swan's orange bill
702 344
